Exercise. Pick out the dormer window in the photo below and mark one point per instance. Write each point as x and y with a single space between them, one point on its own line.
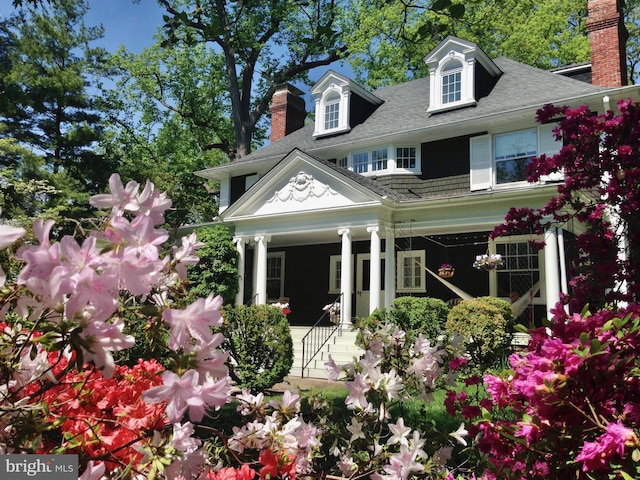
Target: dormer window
332 111
455 66
336 96
452 82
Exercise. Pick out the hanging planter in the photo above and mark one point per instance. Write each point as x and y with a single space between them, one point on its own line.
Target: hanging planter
488 262
446 270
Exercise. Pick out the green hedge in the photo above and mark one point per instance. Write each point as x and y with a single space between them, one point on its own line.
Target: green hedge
486 325
259 342
414 315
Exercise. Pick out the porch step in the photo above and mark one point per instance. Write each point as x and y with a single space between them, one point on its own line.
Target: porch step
341 347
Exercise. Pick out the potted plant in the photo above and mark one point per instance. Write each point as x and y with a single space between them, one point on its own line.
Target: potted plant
333 309
488 261
446 270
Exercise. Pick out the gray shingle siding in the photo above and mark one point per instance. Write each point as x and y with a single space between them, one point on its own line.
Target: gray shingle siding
412 187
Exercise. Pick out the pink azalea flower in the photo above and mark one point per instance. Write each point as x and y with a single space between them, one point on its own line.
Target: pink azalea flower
180 391
120 199
185 254
195 321
357 388
104 338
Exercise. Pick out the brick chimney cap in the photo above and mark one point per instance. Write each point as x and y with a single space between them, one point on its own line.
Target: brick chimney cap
286 87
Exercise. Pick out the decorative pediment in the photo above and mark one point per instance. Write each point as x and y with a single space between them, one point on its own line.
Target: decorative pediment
300 188
298 185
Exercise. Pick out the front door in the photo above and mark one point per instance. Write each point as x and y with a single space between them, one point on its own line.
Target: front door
363 280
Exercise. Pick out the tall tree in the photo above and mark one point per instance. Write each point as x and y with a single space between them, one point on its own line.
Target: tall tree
48 109
394 37
263 44
168 117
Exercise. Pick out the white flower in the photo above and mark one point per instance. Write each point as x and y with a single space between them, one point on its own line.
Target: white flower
460 434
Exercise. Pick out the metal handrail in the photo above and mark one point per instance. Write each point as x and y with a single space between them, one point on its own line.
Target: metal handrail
318 335
251 301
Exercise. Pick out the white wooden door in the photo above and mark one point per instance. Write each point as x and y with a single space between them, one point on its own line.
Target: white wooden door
363 280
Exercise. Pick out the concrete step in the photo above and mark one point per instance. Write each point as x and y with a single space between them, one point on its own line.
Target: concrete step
341 347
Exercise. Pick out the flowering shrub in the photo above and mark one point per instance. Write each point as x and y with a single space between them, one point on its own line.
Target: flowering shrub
377 442
569 407
63 320
599 164
488 262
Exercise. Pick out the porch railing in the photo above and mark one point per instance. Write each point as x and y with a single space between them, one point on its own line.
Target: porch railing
318 335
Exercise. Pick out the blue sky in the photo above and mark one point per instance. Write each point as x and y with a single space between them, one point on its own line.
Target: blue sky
134 24
125 22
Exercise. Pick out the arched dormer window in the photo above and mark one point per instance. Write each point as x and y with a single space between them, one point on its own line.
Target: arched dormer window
332 111
454 65
451 78
334 98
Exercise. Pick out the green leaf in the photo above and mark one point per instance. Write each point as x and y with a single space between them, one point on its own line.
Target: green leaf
457 10
439 5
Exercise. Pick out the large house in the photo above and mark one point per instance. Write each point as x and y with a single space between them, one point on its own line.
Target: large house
367 202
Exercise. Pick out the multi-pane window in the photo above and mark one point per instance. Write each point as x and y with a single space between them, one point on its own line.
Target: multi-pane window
406 157
452 82
411 271
512 153
275 275
342 162
521 269
332 112
335 273
361 162
379 159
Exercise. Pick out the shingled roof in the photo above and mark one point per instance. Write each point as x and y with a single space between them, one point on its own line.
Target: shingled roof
405 109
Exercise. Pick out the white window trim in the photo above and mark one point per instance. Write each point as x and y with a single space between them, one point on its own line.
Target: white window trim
281 255
467 87
420 255
493 274
333 271
392 166
482 157
343 110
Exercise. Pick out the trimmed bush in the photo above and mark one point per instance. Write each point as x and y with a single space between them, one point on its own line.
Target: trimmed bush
486 325
414 315
217 270
259 343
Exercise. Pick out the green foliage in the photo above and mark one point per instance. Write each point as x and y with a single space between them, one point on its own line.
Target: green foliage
46 65
217 270
486 326
393 37
168 119
414 315
259 343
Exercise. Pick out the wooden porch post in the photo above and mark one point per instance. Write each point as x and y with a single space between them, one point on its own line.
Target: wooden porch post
389 267
261 268
346 280
374 269
240 243
551 270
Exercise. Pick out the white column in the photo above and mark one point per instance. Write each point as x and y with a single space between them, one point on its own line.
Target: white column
261 269
389 268
346 280
374 269
552 274
240 243
564 285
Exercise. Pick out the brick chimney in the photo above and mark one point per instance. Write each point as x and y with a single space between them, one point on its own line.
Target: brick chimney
287 111
607 37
